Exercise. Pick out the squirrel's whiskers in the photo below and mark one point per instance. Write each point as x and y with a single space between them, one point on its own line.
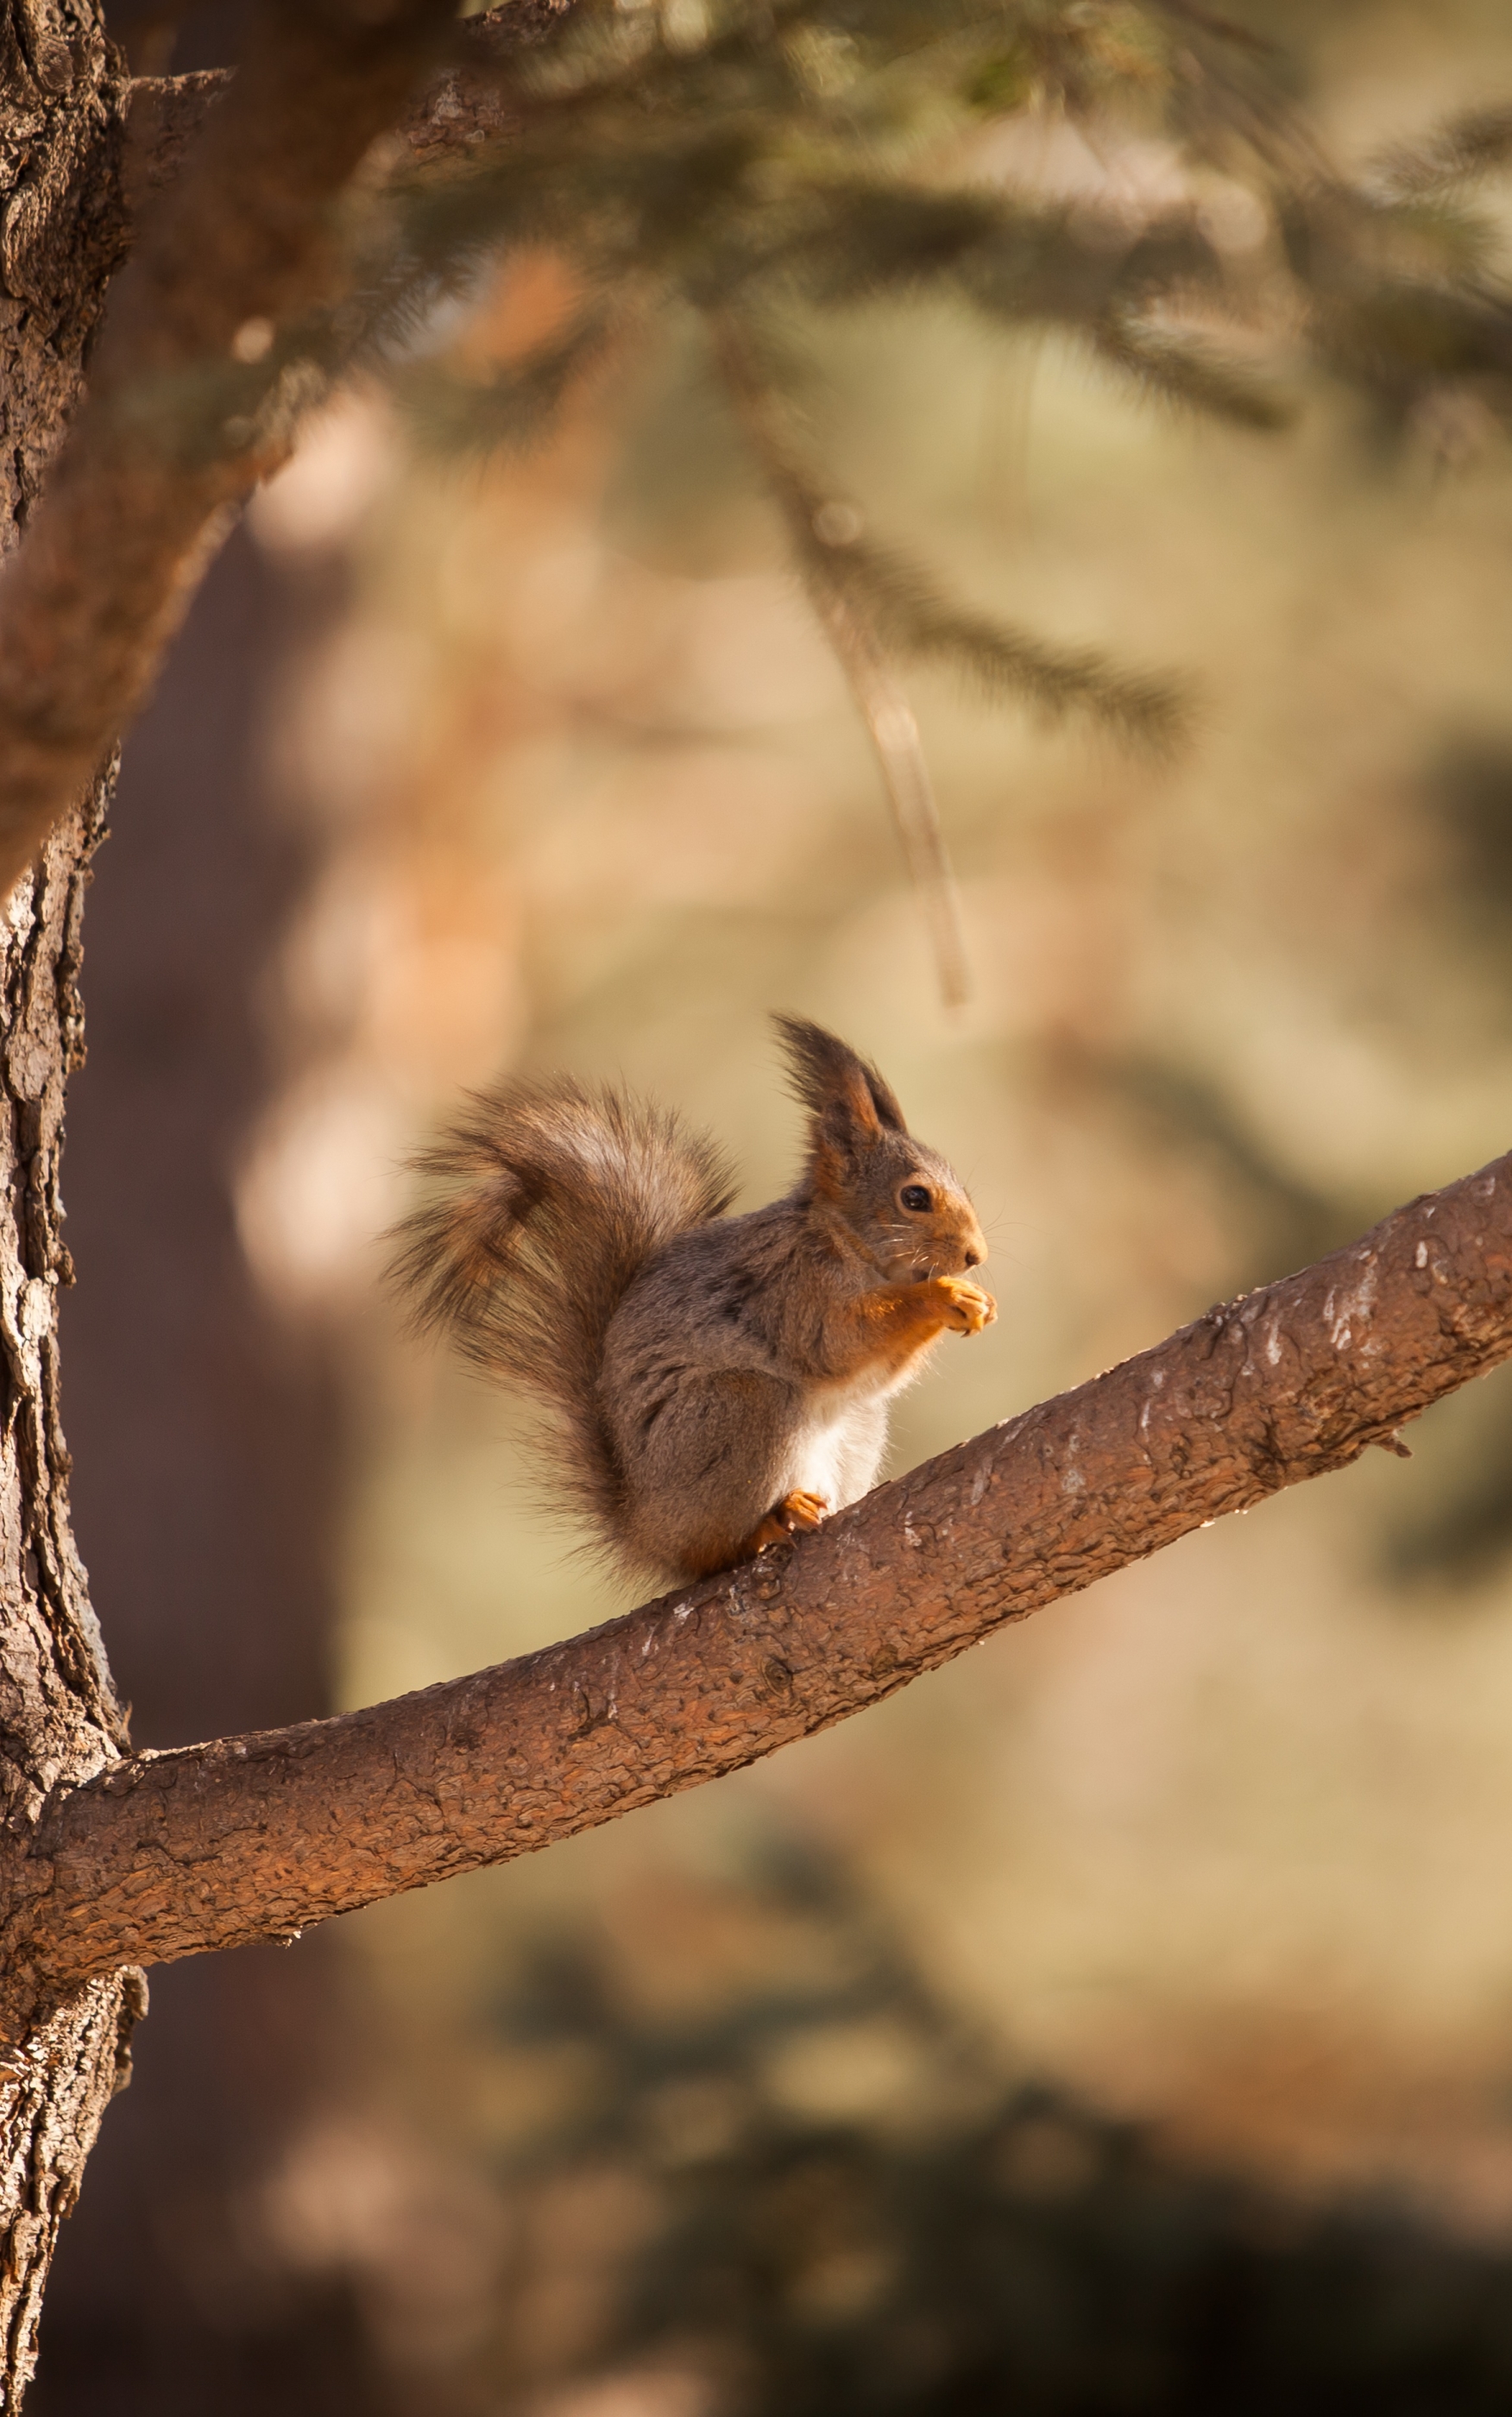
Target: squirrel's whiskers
710 1383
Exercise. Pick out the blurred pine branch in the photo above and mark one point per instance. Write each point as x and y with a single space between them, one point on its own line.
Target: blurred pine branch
769 166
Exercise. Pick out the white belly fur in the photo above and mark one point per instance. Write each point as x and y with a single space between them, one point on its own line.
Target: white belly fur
823 1465
839 1452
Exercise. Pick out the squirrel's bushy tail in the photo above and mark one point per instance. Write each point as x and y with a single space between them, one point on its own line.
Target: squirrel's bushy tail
551 1198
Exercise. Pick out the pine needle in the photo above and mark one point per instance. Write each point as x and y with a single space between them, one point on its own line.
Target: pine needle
917 621
905 611
1190 373
879 697
511 412
875 606
1455 153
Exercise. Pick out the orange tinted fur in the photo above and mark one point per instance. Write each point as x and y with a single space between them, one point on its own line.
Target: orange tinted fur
711 1384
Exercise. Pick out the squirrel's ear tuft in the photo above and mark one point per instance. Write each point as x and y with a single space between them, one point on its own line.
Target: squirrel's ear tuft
847 1098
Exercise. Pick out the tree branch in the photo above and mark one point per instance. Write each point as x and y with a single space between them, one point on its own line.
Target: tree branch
173 1854
177 427
465 105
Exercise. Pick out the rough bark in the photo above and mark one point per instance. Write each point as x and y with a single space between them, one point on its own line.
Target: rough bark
256 1837
58 1718
120 1860
466 104
85 610
59 140
210 1434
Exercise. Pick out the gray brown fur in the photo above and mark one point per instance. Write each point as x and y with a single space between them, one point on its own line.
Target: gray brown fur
711 1382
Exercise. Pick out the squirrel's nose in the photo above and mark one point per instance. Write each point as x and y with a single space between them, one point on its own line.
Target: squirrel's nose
973 1259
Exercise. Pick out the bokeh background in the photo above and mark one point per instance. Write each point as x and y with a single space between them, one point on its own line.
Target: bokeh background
1120 2019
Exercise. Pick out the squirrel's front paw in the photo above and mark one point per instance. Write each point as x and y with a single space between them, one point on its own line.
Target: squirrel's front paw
967 1307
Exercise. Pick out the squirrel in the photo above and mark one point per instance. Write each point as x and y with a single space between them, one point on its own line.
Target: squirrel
712 1384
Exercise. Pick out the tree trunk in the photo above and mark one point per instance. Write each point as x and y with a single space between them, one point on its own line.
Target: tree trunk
59 230
209 1432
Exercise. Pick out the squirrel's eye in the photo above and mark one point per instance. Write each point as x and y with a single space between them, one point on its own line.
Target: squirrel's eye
915 1196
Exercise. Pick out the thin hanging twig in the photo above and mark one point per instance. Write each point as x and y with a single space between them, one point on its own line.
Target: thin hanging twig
879 696
894 732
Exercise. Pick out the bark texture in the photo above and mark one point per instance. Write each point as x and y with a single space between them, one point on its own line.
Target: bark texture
115 1860
59 240
465 104
84 609
210 1435
189 405
255 1838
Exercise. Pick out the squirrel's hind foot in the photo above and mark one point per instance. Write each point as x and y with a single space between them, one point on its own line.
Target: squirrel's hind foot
788 1519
